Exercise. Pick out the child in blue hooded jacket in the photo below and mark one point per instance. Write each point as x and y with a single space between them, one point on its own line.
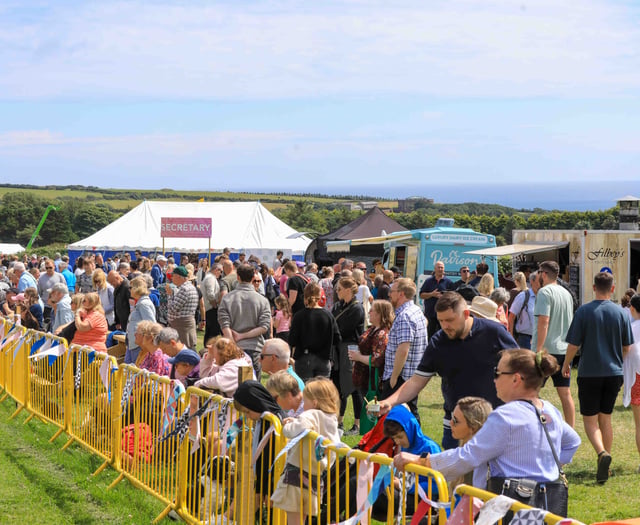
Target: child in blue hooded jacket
403 428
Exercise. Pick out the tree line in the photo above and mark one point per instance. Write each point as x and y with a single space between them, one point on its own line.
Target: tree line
78 218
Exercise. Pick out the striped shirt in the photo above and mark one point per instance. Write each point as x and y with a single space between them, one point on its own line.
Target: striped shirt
408 326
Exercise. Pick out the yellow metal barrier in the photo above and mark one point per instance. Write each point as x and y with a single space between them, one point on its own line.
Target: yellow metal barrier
473 492
143 452
49 378
349 470
192 450
229 475
15 362
90 381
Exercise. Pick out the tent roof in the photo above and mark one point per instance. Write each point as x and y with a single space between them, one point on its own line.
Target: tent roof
521 248
238 225
370 224
10 249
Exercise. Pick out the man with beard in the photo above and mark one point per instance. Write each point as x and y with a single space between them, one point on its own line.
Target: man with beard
463 353
407 341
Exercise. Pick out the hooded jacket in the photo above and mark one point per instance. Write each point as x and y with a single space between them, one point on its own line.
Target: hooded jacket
418 442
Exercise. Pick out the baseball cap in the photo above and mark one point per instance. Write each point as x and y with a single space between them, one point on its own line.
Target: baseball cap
191 357
181 271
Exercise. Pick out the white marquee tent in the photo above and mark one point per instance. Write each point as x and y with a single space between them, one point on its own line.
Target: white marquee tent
10 249
242 226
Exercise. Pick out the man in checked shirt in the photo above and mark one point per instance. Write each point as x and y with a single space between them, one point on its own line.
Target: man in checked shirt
182 306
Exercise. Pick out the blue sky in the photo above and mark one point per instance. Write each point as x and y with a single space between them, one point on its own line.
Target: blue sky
388 98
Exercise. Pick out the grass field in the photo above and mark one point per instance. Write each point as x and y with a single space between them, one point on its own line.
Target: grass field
45 485
41 484
122 200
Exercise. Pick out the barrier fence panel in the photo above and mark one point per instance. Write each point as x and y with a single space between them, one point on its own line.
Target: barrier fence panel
484 496
91 381
229 459
337 483
5 326
16 363
146 451
49 379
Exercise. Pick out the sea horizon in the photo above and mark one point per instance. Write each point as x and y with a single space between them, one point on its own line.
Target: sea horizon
565 196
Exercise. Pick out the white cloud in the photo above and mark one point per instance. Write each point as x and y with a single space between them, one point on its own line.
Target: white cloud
304 49
42 142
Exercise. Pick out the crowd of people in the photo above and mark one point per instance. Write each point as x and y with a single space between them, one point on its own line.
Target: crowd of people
324 335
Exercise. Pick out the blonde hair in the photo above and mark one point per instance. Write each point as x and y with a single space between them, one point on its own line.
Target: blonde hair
358 276
475 410
324 393
77 299
485 286
99 279
139 287
148 328
281 383
521 281
94 302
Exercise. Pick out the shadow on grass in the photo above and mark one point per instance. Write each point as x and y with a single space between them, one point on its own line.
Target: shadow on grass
80 506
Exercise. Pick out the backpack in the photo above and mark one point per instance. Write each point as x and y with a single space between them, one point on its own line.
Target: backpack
523 308
271 289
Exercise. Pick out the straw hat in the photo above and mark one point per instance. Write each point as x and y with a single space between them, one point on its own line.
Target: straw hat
484 307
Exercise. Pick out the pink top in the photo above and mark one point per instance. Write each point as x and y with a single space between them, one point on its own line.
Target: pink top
96 336
284 322
156 362
222 378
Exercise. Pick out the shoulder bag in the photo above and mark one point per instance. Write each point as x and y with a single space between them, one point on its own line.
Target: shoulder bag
552 496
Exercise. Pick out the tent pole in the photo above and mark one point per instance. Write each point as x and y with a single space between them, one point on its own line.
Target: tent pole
210 261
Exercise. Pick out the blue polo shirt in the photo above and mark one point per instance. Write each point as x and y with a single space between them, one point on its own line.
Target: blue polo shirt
466 365
431 285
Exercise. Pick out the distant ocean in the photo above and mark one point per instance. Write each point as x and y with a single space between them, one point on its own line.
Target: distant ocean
573 196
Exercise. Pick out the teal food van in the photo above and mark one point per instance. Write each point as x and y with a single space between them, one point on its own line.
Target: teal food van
415 252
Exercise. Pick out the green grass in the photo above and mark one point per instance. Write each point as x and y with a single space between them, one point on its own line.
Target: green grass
57 486
589 502
42 484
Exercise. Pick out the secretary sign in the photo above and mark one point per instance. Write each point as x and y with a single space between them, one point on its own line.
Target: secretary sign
190 227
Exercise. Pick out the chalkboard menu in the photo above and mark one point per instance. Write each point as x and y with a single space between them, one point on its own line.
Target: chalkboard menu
574 279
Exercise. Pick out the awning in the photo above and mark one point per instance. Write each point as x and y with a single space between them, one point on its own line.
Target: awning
520 248
345 246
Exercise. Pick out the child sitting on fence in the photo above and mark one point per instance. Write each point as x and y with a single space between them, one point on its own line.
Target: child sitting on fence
321 408
404 429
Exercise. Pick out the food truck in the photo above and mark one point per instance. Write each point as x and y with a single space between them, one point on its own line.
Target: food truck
415 252
581 254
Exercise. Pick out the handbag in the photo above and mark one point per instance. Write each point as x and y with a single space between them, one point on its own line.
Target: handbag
552 496
367 421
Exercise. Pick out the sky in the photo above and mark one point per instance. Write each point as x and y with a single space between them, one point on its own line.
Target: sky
460 100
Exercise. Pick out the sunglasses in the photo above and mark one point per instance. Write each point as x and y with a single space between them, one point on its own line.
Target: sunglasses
262 356
497 373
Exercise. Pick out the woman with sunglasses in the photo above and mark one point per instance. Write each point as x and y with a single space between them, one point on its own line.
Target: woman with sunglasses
512 441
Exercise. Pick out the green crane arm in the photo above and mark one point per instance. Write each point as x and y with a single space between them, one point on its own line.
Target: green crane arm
44 218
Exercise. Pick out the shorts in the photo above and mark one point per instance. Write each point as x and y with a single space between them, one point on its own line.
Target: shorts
598 395
635 391
558 379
